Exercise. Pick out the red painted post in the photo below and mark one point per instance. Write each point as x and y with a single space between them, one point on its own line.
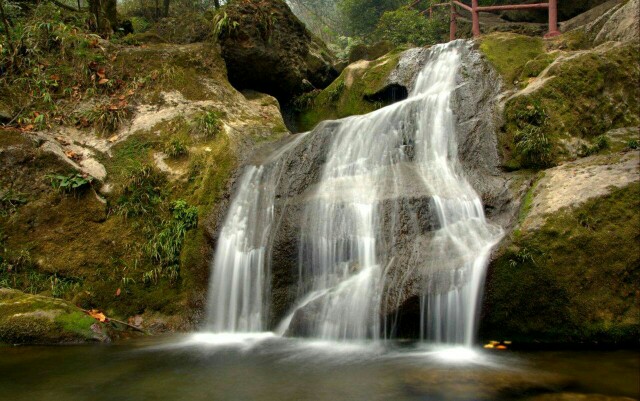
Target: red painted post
553 19
453 27
475 18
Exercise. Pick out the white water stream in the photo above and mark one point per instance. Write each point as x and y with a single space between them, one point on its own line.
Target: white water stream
345 250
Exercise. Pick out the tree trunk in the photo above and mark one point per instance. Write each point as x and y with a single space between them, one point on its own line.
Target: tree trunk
111 13
216 3
95 8
165 11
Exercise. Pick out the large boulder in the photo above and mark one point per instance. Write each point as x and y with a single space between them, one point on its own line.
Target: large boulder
569 273
266 48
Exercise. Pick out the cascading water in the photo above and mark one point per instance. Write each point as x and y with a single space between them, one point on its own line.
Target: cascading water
352 224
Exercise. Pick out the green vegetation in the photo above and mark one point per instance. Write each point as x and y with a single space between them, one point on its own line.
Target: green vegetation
571 280
512 55
407 26
71 183
177 147
348 95
208 124
528 127
141 192
580 97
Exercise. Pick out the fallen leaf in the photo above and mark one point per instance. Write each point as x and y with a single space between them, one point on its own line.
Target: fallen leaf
103 81
101 73
96 314
118 292
113 138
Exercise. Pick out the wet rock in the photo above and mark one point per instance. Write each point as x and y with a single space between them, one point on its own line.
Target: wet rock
487 384
372 52
578 397
34 319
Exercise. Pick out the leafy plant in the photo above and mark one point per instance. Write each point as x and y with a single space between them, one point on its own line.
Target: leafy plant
223 25
165 246
208 124
71 183
141 192
176 147
531 141
600 143
633 144
10 201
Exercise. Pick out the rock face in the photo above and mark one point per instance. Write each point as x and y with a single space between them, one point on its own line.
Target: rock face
407 213
569 274
362 87
266 48
564 272
34 319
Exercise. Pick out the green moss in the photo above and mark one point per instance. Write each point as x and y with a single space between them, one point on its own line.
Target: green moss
509 53
76 322
347 95
572 280
585 96
534 67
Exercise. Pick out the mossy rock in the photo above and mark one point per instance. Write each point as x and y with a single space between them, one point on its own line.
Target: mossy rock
509 53
34 319
352 93
584 95
573 280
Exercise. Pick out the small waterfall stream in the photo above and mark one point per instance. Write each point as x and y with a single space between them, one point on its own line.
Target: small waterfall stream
351 225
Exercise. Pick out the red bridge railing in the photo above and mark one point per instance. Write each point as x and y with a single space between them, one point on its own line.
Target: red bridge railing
475 10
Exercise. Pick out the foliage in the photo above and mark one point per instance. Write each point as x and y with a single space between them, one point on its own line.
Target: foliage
223 25
531 141
70 183
600 143
407 26
208 124
165 246
107 118
10 201
18 271
51 61
176 147
141 192
633 144
361 16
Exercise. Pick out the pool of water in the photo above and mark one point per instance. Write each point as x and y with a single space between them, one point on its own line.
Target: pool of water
266 367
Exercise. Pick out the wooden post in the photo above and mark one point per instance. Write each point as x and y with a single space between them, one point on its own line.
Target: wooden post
453 26
553 19
475 18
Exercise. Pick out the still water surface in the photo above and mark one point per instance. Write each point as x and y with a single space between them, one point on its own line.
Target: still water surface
265 367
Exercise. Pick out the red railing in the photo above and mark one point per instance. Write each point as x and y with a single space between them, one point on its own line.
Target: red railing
475 11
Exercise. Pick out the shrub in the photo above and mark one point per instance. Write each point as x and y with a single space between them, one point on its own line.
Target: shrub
407 26
532 143
176 147
208 124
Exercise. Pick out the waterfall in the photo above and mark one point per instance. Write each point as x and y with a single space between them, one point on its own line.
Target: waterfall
377 173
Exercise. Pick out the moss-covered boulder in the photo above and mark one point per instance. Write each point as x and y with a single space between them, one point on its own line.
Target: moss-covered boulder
362 87
152 166
568 274
266 48
34 319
